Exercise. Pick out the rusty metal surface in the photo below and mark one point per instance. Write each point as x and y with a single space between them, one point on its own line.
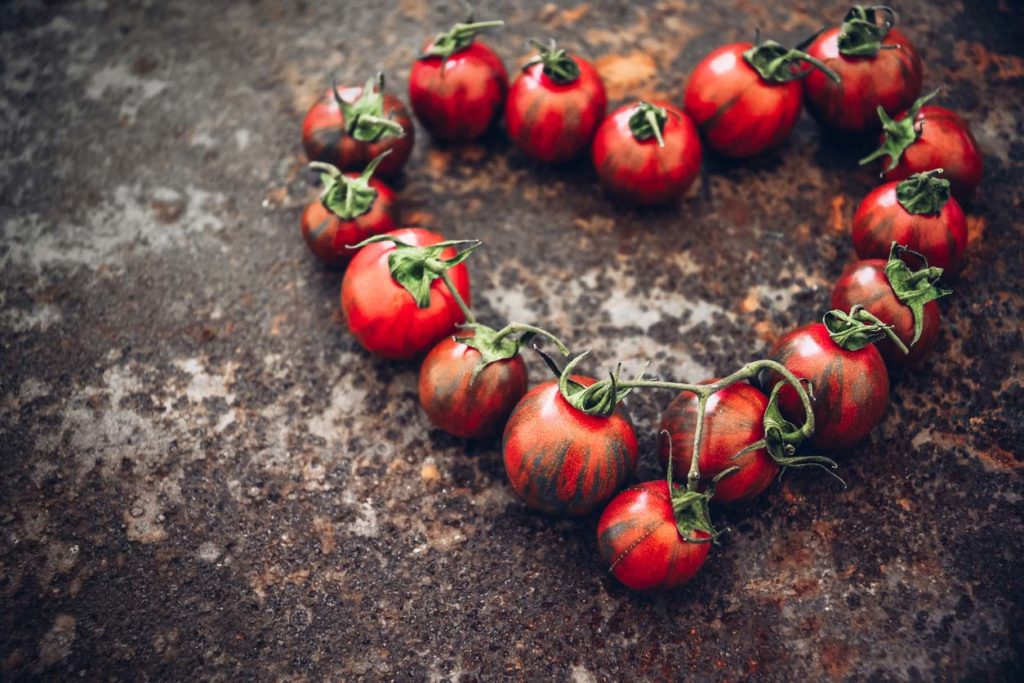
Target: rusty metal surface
202 475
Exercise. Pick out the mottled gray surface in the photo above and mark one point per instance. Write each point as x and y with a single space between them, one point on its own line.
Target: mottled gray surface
203 476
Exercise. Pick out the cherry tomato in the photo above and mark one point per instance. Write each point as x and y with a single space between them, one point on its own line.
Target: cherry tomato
733 420
878 67
325 138
560 460
383 316
458 86
647 153
555 105
851 388
641 544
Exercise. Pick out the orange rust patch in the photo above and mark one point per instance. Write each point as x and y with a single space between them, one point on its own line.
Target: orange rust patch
765 331
838 221
904 503
323 528
414 9
624 74
418 219
975 229
992 65
429 472
550 15
275 324
438 161
837 658
752 301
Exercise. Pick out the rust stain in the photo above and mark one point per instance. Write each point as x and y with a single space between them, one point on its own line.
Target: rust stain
553 18
414 9
991 65
430 473
975 229
625 74
904 503
438 161
838 221
837 658
765 331
275 324
418 218
752 301
325 531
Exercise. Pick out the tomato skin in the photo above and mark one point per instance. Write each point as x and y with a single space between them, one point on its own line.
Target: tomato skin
640 170
327 235
562 461
463 406
891 79
457 99
945 142
550 121
881 220
739 113
733 419
639 541
324 139
383 316
851 388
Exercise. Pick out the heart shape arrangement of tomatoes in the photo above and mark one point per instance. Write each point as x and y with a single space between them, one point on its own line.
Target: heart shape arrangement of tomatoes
569 445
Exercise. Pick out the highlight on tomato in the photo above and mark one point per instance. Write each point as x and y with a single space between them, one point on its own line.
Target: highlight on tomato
746 98
350 208
648 153
352 126
918 213
406 290
928 137
555 104
458 85
877 65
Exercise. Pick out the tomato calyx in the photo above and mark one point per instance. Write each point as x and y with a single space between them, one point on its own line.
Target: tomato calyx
601 397
859 328
776 63
495 345
914 288
691 506
648 121
345 197
458 38
364 119
898 135
861 35
923 193
559 65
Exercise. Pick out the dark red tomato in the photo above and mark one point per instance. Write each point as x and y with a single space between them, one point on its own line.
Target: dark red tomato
733 419
555 106
644 164
327 235
325 139
639 541
383 315
940 237
562 461
865 283
463 405
851 388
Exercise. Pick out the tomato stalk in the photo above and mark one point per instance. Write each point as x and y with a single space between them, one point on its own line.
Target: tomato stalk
648 121
364 118
861 35
559 66
776 63
899 134
346 197
458 38
914 288
859 328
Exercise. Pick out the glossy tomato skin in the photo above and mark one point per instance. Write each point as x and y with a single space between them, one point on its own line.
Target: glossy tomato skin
739 113
324 138
851 388
383 316
945 142
641 171
640 543
865 283
562 461
465 406
881 220
550 121
327 235
891 79
733 419
457 99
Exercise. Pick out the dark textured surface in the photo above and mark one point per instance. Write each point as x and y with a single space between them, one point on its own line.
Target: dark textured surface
204 476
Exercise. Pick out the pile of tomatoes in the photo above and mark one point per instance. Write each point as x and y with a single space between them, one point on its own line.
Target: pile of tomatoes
569 446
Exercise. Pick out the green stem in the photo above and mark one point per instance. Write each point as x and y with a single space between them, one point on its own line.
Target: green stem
693 477
393 128
865 316
447 279
512 328
652 119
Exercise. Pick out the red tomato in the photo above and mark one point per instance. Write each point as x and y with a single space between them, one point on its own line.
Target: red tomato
879 67
851 388
865 283
560 460
555 106
327 235
644 164
733 419
464 405
641 544
325 139
383 315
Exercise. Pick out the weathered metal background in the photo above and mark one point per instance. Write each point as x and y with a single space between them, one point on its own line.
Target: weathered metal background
203 476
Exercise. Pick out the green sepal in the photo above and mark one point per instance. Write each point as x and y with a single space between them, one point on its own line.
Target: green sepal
457 38
601 397
346 197
776 63
495 345
914 288
923 193
858 328
364 119
861 35
648 121
690 508
559 65
898 135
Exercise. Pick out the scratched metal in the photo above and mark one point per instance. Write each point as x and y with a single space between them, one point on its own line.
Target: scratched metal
203 476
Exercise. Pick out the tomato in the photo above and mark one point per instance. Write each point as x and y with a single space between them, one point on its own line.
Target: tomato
647 153
851 388
561 460
640 541
381 123
745 99
555 105
733 420
458 86
878 67
918 213
384 316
